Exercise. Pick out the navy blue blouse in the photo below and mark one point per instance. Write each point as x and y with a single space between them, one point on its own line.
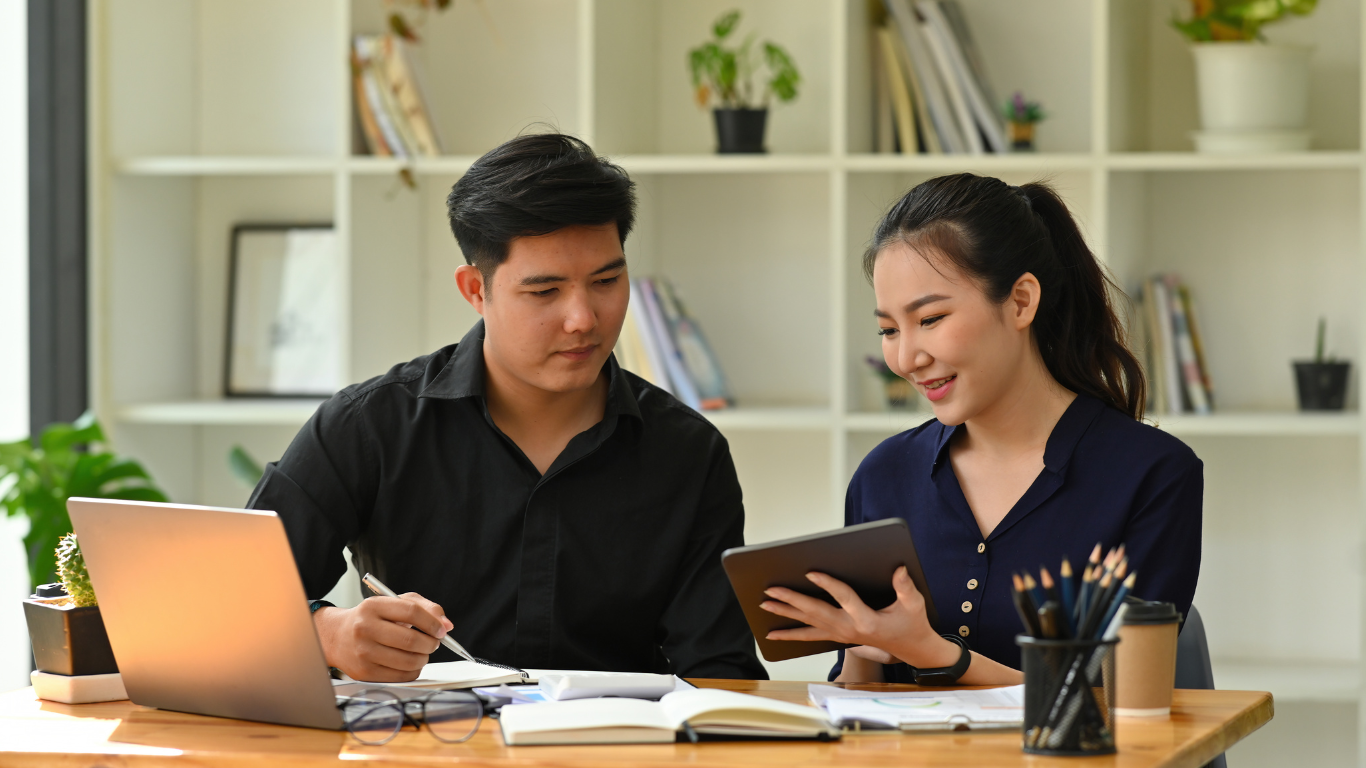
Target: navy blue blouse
1106 478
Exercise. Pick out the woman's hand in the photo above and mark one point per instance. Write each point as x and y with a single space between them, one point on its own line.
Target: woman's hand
901 631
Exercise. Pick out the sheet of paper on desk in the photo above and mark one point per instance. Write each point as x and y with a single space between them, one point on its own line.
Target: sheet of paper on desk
923 710
455 674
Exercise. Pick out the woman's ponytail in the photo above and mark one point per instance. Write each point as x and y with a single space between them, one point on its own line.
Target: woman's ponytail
994 233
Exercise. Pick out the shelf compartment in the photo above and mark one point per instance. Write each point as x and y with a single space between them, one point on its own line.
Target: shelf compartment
226 165
992 163
1194 161
771 419
294 412
1234 423
1254 423
243 412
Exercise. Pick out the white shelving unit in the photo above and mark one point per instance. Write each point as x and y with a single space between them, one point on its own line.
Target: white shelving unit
210 112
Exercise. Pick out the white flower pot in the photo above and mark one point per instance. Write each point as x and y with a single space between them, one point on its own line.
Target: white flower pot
1253 96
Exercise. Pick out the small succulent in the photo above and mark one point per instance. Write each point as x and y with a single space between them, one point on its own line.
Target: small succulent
71 569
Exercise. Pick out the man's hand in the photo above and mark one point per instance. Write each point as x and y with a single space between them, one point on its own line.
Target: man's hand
376 641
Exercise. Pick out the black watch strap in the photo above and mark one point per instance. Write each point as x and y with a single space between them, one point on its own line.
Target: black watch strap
316 604
945 675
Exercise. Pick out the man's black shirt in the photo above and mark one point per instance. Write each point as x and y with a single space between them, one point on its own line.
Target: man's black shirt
610 561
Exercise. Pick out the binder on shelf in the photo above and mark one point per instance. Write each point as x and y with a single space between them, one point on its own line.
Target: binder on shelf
390 99
663 344
982 112
1175 359
884 127
699 361
1185 351
901 109
962 113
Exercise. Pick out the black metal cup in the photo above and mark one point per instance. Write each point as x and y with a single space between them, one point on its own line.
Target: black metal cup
1069 696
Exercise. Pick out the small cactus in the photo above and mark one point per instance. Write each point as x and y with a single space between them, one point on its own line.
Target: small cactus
71 569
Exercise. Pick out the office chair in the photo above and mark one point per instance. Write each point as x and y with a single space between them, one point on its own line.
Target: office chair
1193 668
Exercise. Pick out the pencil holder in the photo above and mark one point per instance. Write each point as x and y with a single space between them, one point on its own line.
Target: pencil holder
1069 696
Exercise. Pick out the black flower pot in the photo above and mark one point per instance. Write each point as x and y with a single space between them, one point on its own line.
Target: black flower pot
1322 386
740 130
68 640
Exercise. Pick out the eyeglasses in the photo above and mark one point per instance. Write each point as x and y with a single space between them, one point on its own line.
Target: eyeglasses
376 716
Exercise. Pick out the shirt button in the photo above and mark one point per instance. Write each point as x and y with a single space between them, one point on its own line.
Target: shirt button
981 548
972 583
967 607
963 631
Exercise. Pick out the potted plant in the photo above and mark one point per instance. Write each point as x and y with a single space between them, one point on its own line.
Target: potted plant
1022 116
723 77
38 475
897 390
64 620
1322 382
1254 95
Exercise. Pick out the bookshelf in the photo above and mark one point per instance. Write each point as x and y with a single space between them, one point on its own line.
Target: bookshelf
203 115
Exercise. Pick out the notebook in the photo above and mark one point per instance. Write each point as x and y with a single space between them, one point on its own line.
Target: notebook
449 675
706 712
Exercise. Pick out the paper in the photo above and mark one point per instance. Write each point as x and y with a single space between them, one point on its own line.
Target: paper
917 710
455 674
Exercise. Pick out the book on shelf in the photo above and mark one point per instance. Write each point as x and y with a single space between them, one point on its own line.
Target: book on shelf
901 114
661 343
390 99
1174 352
942 77
884 142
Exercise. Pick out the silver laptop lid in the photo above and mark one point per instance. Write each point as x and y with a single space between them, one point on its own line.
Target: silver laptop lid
205 611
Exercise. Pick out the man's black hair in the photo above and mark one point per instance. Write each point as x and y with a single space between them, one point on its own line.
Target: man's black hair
535 185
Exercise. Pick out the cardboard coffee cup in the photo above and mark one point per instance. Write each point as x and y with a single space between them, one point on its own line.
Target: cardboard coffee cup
1145 661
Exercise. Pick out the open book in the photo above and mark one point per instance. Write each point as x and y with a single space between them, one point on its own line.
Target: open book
447 675
635 721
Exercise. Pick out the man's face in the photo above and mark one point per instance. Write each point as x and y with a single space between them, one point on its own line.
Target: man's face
553 310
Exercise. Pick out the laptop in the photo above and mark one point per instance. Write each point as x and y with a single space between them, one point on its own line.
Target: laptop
205 611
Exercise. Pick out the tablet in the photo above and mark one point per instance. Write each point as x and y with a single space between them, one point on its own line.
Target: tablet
863 556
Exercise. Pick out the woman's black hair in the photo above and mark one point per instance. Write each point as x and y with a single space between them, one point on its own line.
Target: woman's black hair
994 233
534 185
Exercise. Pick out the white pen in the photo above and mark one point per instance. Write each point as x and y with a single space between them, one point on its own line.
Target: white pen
378 588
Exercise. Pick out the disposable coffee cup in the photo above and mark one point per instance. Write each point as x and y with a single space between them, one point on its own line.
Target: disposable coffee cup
1145 661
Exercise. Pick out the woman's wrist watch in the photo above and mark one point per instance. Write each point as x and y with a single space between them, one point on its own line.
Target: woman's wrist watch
945 675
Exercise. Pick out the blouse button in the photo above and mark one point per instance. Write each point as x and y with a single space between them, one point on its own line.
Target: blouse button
972 583
967 606
963 631
981 548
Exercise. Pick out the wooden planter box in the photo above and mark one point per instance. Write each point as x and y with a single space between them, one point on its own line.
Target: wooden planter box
68 640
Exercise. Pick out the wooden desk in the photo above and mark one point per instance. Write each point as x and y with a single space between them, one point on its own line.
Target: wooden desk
40 733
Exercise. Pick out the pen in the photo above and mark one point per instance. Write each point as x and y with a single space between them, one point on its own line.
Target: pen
378 588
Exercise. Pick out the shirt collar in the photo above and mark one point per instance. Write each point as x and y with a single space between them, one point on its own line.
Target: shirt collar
464 376
1061 443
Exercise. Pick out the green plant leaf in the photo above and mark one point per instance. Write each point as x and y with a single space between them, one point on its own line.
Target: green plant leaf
244 467
725 24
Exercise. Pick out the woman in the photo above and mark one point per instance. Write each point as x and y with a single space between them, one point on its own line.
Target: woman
991 304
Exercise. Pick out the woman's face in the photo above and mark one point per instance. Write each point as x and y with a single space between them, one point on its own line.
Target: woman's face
941 332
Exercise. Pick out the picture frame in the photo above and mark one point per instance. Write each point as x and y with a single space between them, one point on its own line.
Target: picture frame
285 323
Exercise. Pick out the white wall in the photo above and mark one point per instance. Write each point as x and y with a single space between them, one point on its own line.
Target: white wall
14 648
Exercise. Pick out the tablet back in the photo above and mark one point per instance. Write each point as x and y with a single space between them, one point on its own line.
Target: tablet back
863 556
205 611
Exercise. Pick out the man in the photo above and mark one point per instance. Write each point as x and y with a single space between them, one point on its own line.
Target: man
542 505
